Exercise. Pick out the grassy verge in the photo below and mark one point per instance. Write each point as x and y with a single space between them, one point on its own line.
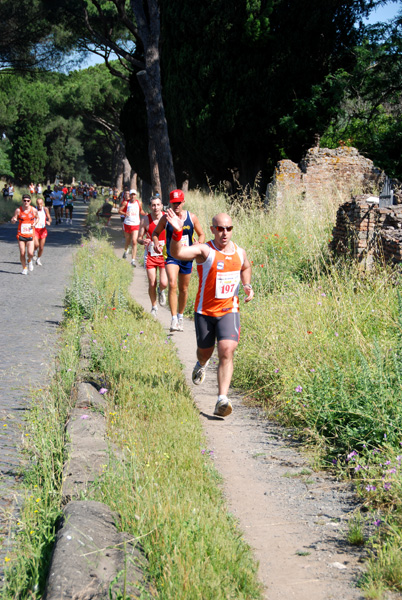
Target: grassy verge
321 349
164 484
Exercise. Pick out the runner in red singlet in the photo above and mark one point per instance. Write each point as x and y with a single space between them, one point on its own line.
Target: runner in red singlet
221 265
154 260
132 209
44 219
27 217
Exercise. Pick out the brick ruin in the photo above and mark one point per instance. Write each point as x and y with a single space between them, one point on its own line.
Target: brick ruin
363 230
368 232
341 171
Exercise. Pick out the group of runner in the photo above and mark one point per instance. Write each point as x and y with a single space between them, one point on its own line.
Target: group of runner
170 248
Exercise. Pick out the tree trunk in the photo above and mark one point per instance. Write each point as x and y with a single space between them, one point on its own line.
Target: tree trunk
148 23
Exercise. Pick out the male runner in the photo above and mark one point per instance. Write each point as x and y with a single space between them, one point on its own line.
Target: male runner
58 203
178 271
27 217
154 260
221 264
44 219
132 209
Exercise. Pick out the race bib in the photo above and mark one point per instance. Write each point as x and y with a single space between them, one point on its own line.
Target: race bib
151 248
185 240
226 284
26 228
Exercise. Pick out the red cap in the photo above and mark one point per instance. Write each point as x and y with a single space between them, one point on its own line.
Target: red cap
176 196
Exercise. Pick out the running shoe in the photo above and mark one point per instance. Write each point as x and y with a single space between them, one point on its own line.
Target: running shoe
24 271
124 254
180 324
38 262
154 311
199 373
223 407
174 325
162 297
30 265
133 264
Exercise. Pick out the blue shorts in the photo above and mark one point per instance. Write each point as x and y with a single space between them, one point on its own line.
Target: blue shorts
185 267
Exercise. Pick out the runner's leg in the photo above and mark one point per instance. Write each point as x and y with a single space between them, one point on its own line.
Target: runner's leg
226 349
151 274
22 247
184 282
134 238
172 272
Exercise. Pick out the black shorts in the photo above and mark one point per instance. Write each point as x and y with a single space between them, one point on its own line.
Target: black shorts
69 207
49 203
20 238
209 329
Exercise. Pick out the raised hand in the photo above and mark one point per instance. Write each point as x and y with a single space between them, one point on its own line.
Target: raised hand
174 220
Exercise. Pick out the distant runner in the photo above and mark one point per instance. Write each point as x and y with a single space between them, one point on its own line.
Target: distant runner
154 260
69 200
132 209
221 265
43 219
27 217
57 198
178 270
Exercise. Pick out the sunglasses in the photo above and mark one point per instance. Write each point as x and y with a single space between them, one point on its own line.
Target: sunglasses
220 228
26 200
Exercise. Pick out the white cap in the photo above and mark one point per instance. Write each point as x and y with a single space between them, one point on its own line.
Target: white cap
133 191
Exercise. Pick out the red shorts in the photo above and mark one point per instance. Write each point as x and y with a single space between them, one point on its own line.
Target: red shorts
154 261
131 228
41 234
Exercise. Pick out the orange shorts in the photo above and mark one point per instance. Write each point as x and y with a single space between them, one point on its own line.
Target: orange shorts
131 228
41 234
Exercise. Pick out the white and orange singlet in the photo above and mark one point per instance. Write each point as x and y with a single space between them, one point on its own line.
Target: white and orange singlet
219 278
26 220
132 211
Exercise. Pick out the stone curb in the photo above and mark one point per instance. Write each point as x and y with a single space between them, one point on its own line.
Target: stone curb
90 557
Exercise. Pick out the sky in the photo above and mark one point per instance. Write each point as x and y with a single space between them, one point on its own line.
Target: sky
383 13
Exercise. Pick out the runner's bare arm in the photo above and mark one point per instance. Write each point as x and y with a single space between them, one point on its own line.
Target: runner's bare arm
198 229
245 276
142 233
16 215
142 212
157 231
184 252
122 207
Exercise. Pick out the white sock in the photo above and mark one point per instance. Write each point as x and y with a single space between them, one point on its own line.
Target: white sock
179 316
174 317
221 397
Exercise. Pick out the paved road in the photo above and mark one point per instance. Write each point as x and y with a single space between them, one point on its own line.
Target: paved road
31 309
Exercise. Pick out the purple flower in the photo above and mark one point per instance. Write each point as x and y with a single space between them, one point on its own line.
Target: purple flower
276 371
377 523
351 455
69 370
385 436
299 389
370 488
387 462
393 470
387 486
141 332
357 468
323 295
94 341
334 461
336 334
103 390
85 417
312 370
319 303
202 451
399 458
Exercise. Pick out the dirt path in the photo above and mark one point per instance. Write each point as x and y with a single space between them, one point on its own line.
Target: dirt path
295 519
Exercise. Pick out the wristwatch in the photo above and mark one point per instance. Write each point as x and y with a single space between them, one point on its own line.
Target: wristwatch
248 285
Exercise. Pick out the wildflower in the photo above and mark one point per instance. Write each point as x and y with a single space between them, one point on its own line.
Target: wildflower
69 370
334 461
319 303
299 389
377 523
276 371
393 470
357 468
323 295
141 332
387 486
336 334
84 416
103 390
399 458
7 559
94 341
370 488
261 265
202 451
309 332
312 370
351 455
